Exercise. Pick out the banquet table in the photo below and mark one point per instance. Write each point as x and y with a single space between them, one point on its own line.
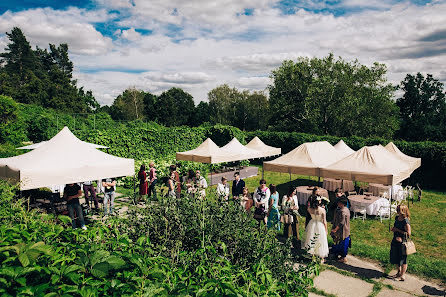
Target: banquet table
332 184
303 192
397 190
372 204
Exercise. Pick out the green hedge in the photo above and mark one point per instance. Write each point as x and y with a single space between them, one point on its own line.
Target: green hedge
431 174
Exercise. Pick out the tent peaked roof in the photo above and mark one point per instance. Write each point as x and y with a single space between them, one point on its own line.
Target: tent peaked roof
36 145
266 150
369 164
306 159
343 148
207 152
63 159
413 162
239 151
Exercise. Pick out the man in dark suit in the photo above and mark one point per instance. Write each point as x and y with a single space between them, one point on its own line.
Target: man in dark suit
237 185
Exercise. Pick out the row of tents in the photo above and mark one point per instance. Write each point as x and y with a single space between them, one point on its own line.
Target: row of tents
376 164
66 159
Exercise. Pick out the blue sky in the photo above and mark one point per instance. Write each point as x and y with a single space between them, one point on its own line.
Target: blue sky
197 45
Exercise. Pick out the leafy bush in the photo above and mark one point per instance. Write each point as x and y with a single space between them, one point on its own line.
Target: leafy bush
177 247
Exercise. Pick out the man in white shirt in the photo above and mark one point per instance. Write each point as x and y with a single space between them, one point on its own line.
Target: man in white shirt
223 190
201 184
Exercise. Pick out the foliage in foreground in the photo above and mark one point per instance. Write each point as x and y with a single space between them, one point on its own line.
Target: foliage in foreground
184 247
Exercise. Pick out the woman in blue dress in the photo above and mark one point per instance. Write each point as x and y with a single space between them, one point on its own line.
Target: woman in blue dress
273 214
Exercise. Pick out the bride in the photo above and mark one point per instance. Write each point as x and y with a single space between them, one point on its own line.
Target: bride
316 231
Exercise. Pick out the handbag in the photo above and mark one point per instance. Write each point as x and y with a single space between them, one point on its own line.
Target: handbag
408 247
286 219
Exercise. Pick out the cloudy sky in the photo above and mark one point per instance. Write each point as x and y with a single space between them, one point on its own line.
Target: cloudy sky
199 44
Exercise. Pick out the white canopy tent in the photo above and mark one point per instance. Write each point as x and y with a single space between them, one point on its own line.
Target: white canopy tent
207 152
372 164
413 162
343 148
239 152
306 159
36 145
61 160
265 150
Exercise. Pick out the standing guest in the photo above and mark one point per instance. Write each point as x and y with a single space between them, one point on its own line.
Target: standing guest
89 189
341 231
171 185
190 179
153 180
173 169
316 241
109 194
201 184
237 186
273 213
290 207
401 230
314 195
71 193
339 194
246 200
261 199
143 182
223 190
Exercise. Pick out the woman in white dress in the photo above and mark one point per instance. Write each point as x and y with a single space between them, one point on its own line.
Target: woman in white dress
316 231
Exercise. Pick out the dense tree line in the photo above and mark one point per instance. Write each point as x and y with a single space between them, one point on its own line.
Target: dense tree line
41 76
323 96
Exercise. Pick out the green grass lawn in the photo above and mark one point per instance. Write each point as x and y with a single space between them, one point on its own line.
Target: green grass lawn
371 238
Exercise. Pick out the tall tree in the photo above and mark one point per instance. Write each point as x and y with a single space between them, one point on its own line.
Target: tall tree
202 114
329 96
422 108
175 107
41 77
129 105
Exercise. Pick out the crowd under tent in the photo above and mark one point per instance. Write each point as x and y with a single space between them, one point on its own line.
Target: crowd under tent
306 159
36 145
207 152
373 164
264 149
63 159
412 161
343 148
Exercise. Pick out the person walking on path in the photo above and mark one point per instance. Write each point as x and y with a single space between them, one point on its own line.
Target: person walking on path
237 186
340 231
90 193
401 230
143 182
71 193
152 180
109 194
273 212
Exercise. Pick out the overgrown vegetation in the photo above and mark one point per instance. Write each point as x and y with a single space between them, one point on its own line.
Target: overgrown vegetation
185 247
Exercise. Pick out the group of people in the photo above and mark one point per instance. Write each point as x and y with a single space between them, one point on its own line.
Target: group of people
266 201
73 191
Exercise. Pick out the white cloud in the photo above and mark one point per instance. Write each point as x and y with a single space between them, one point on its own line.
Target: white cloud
198 45
72 26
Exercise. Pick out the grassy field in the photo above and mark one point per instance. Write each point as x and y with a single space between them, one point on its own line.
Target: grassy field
371 238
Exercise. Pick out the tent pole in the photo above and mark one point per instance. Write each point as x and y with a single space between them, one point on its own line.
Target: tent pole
390 206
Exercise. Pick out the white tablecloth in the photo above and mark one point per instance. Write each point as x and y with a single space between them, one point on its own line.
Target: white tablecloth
332 184
303 193
372 205
397 191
